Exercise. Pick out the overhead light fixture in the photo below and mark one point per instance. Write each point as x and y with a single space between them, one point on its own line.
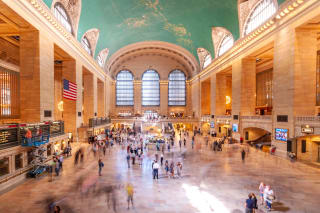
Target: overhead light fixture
278 17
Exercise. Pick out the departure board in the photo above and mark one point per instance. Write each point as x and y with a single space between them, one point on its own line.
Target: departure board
8 135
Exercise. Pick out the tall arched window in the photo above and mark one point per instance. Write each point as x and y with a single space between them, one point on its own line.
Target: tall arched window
86 45
262 12
61 14
124 88
226 44
150 88
207 61
177 88
100 61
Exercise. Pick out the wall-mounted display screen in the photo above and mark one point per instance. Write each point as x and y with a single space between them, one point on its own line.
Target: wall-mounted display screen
281 134
212 124
235 127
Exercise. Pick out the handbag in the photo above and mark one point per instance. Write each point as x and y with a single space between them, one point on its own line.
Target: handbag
271 197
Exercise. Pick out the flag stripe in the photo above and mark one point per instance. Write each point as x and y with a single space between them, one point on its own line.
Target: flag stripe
69 90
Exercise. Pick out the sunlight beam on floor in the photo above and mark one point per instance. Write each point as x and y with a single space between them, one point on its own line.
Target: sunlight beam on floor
204 201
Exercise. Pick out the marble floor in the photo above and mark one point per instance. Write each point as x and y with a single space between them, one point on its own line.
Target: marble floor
219 184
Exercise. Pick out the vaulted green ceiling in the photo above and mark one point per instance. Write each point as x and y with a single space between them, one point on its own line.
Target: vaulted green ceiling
186 23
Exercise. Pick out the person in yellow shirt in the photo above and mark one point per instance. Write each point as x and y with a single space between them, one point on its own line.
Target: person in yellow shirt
130 192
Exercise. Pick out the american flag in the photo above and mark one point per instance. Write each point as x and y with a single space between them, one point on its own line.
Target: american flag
69 90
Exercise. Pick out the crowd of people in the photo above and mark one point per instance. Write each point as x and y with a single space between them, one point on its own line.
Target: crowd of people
163 163
267 197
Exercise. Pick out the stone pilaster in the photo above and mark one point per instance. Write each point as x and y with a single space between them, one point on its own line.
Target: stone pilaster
79 104
221 93
137 86
95 96
164 98
36 76
236 87
248 86
213 88
69 106
305 75
88 96
101 99
205 97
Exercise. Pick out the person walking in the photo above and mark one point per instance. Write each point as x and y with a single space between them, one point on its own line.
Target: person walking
249 204
133 158
128 160
166 167
184 142
130 193
268 197
61 161
161 159
192 142
179 169
104 150
172 169
261 191
100 164
57 166
255 202
156 170
57 209
180 143
243 155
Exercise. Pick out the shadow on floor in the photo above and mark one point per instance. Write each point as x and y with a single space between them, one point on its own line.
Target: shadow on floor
278 206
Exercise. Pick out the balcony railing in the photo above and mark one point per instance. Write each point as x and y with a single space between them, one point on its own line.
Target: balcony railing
14 134
307 119
93 122
257 117
223 116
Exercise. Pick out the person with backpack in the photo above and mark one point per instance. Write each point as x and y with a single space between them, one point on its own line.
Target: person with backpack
100 164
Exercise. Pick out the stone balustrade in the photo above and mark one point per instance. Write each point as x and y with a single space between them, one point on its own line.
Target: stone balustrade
256 117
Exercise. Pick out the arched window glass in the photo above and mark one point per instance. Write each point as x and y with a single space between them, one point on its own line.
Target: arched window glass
150 88
177 88
86 45
100 61
207 61
226 44
262 12
61 14
124 88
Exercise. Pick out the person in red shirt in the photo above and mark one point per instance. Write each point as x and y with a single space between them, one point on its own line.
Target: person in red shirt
28 136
